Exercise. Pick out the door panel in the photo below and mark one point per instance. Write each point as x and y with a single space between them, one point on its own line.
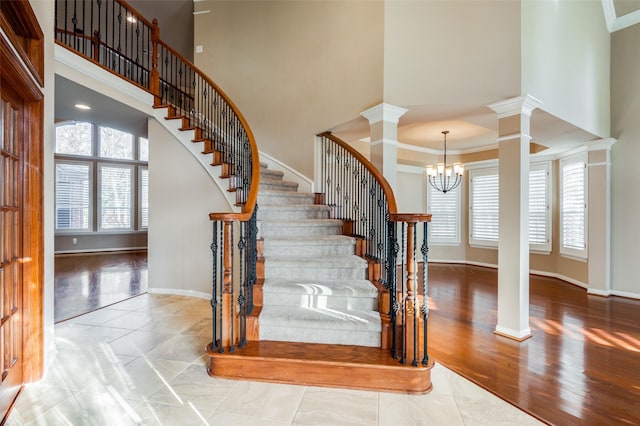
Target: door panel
11 251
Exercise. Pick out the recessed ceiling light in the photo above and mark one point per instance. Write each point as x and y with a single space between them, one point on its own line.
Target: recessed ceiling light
82 106
131 19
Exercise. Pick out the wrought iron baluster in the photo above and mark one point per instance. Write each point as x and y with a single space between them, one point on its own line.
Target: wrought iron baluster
425 289
403 360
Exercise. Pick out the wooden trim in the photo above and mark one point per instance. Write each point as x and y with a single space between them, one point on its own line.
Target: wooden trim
20 24
410 217
386 188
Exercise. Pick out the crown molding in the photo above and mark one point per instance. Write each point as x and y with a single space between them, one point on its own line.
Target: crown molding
600 144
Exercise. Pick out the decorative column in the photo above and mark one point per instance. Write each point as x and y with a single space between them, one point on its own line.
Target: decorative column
514 120
599 216
383 122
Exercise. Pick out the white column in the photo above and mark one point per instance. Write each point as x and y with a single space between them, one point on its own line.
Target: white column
514 119
599 216
383 122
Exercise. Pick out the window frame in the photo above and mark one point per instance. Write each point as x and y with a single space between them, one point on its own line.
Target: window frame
140 225
454 241
571 252
132 185
546 247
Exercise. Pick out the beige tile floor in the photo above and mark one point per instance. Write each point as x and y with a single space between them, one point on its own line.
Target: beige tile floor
141 362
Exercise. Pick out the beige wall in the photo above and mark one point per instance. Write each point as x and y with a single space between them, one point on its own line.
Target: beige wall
625 109
470 48
565 61
293 68
181 196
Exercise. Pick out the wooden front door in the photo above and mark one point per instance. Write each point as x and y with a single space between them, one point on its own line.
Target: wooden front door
11 255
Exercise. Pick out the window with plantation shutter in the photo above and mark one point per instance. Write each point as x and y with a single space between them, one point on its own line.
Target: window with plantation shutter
115 197
573 207
483 203
73 196
539 208
445 220
144 198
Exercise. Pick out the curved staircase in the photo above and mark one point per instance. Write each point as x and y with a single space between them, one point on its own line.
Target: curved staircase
315 288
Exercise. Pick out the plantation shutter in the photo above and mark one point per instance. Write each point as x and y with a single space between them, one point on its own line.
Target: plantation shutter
73 189
538 206
144 198
484 207
444 221
573 206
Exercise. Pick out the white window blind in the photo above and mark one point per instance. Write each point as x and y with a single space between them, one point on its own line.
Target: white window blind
115 197
73 195
144 198
573 207
539 211
484 207
445 210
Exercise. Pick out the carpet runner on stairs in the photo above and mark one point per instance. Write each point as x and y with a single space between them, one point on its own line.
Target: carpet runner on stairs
315 288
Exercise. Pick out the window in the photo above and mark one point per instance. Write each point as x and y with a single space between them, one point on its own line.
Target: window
115 197
573 207
445 222
483 204
73 196
74 139
144 197
116 144
106 189
539 208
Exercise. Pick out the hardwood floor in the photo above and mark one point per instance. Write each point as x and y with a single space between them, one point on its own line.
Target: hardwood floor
582 365
84 283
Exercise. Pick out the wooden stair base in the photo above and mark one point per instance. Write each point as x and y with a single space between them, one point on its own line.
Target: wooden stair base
311 364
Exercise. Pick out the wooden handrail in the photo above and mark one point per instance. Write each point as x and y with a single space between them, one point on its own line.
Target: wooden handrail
252 197
134 12
386 188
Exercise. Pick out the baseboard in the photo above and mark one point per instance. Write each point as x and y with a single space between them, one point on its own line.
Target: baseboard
560 277
626 294
100 251
180 292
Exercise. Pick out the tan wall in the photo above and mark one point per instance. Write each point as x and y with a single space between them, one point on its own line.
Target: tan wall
625 110
293 68
566 61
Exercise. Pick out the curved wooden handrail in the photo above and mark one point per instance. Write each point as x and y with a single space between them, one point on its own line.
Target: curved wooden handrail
386 188
252 196
410 217
134 12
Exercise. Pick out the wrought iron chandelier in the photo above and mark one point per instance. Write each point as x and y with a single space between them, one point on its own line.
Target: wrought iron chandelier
445 178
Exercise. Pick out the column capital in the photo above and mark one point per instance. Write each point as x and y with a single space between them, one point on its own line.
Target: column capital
383 112
601 144
515 106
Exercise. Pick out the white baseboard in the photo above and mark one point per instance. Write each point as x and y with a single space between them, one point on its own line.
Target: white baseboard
597 292
560 277
626 294
180 292
101 251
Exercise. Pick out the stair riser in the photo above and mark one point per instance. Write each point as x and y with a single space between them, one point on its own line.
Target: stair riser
322 302
309 251
272 186
270 174
315 335
270 230
276 271
284 200
292 214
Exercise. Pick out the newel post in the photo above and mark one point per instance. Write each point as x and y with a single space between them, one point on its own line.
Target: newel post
95 40
154 76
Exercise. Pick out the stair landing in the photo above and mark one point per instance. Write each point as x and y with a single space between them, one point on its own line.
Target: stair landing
311 364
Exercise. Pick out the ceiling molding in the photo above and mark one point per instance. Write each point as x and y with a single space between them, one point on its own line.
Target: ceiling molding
616 23
519 105
384 112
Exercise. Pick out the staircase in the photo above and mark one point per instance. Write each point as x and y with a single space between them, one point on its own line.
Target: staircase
315 288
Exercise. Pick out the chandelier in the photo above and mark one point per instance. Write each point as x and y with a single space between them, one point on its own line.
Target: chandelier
445 178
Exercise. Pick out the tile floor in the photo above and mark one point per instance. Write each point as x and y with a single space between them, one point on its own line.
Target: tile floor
140 362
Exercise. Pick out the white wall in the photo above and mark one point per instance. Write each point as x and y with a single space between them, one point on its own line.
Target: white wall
181 196
566 61
625 108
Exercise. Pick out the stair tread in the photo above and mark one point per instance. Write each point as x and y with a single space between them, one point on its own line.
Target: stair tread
275 192
348 261
340 288
304 222
288 207
316 318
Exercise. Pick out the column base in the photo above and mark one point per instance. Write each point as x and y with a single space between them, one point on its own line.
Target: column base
517 335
